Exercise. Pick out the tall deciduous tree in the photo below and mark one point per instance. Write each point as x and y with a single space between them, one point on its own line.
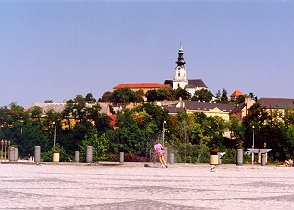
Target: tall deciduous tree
185 95
89 98
106 97
123 96
237 131
202 95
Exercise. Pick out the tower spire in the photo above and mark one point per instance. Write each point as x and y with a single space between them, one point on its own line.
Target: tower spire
180 79
180 61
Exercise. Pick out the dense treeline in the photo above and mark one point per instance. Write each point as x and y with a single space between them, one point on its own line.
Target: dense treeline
190 137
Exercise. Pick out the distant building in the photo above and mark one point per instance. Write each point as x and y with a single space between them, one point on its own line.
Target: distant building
70 121
235 95
241 110
277 104
59 107
209 109
180 78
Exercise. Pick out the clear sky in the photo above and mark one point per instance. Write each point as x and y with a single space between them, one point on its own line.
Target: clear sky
55 50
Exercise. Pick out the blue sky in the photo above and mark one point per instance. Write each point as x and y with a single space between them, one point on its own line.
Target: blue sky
55 50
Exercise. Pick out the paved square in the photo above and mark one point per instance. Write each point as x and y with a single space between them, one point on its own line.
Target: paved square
58 186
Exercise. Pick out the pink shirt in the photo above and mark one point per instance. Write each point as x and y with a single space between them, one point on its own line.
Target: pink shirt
158 147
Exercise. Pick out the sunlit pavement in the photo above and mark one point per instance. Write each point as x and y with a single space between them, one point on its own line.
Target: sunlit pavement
145 186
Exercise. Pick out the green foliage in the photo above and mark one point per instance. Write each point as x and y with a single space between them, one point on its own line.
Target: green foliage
188 153
237 131
224 96
137 129
105 97
257 117
47 156
182 93
124 96
100 146
56 148
89 98
161 95
191 136
202 95
240 99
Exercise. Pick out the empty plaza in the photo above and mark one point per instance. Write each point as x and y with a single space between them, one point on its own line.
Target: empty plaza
133 186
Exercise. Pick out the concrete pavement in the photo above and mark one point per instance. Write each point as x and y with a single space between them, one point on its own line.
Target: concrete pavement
133 186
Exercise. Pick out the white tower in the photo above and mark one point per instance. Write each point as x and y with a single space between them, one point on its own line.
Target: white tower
180 79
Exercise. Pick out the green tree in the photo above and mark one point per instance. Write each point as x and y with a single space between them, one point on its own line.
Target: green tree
100 120
202 95
137 129
151 95
36 112
218 96
224 96
240 99
257 117
105 97
288 117
21 130
88 119
127 135
290 142
89 98
237 131
253 97
124 96
100 145
185 95
160 95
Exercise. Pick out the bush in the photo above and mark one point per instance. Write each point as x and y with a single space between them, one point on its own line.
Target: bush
48 156
187 153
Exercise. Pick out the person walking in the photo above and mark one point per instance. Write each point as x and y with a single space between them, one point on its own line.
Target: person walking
158 148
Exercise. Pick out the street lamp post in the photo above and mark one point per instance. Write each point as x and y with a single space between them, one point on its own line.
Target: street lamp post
163 131
54 138
253 145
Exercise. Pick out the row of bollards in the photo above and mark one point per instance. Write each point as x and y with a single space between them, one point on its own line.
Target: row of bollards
89 155
215 158
239 158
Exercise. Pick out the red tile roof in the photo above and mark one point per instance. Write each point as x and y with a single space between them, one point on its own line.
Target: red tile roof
142 85
237 93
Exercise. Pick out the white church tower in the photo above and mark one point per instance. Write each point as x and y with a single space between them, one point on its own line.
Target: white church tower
180 79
